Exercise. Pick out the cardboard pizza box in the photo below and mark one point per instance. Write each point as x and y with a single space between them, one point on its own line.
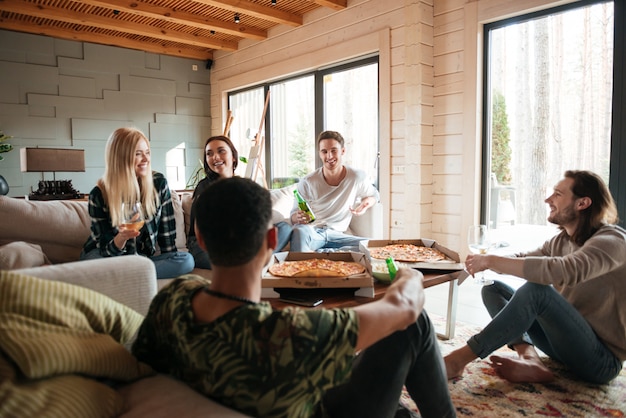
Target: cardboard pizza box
362 280
453 263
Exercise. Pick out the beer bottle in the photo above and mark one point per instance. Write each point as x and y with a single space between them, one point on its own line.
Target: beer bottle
392 267
304 205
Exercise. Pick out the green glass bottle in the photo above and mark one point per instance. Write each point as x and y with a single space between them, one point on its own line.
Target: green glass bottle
392 267
304 205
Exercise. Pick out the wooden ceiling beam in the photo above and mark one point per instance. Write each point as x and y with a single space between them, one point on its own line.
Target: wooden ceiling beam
96 38
245 7
332 4
68 16
175 16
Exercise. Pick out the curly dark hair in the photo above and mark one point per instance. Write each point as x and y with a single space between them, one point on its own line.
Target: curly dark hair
233 217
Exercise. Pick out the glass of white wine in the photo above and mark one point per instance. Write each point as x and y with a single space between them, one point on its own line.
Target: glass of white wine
132 216
479 243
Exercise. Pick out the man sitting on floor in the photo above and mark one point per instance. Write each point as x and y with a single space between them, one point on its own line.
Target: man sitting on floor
572 305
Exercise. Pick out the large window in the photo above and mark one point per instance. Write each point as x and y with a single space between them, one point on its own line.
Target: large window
548 108
342 98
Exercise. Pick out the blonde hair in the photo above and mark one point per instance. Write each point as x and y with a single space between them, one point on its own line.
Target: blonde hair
119 182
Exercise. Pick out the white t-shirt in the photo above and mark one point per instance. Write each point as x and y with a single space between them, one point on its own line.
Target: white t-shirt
331 204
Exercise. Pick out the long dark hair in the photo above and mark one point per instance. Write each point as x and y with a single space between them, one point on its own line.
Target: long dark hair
602 210
212 175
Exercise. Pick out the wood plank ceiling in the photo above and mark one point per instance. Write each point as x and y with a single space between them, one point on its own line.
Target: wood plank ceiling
182 28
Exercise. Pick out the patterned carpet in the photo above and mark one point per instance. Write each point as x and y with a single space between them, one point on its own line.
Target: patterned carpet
482 394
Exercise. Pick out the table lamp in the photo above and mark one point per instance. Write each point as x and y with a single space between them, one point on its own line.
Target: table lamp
53 160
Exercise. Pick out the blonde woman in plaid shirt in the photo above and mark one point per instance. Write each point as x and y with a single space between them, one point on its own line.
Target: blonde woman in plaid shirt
128 177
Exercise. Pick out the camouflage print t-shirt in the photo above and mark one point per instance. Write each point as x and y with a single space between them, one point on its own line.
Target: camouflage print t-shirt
263 362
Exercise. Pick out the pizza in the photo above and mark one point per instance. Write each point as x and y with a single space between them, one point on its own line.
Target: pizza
316 267
409 253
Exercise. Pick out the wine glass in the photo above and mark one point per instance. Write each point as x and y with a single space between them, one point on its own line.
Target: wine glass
132 216
479 243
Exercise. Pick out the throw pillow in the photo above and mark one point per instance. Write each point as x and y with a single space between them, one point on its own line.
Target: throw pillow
20 254
58 396
57 336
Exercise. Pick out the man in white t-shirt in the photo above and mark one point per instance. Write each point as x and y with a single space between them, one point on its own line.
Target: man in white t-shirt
331 191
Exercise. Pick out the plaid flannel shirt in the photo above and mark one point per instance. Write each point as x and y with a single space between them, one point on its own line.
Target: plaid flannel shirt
161 229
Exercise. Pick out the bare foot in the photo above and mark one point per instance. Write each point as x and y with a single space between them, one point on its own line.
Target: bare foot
524 369
457 360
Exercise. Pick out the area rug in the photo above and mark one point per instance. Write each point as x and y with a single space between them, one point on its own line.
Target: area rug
481 393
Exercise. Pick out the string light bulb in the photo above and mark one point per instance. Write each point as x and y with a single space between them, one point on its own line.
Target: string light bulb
237 20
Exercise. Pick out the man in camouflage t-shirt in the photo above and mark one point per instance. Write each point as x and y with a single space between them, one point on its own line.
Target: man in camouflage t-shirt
219 338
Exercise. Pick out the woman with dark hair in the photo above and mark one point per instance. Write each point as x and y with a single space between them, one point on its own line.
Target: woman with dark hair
220 162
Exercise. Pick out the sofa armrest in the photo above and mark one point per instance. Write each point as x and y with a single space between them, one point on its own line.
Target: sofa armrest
370 224
130 280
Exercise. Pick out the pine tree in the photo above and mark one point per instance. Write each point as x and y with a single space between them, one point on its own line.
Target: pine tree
500 140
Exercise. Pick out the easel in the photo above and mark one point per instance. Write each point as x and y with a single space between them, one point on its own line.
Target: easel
255 164
229 121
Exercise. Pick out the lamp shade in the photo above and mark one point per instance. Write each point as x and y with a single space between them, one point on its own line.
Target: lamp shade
52 159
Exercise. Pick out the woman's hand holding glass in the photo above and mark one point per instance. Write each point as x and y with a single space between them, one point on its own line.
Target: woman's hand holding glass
132 222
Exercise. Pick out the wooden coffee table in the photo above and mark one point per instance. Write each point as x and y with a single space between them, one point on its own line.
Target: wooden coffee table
345 298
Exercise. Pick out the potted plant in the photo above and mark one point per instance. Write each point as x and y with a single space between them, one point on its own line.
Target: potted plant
4 147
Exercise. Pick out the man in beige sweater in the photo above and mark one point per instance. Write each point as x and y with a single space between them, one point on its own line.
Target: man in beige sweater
572 306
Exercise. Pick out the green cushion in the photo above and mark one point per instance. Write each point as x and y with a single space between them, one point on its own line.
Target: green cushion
56 339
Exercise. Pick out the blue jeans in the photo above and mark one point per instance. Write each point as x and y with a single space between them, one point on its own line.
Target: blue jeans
308 238
538 315
410 357
168 265
283 230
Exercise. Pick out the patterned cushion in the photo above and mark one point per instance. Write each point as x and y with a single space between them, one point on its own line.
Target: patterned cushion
54 336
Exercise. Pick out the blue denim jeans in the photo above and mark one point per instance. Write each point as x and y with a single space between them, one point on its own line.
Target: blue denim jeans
410 357
201 258
309 238
168 265
283 231
538 315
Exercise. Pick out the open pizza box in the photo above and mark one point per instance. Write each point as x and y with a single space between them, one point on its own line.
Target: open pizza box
451 263
363 281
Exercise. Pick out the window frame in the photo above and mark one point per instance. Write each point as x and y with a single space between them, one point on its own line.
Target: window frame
318 75
617 173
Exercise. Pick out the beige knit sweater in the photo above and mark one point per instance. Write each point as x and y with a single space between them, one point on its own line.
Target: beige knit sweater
591 277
